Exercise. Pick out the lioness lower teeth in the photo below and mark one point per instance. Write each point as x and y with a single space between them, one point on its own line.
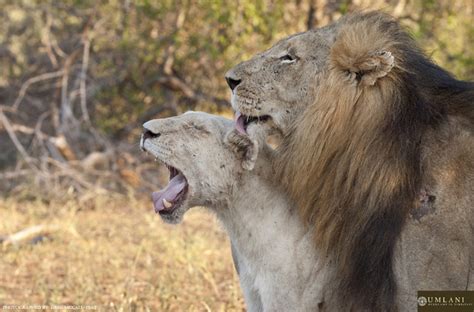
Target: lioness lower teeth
167 204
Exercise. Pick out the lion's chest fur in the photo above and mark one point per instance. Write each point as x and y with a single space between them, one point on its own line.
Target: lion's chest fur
274 252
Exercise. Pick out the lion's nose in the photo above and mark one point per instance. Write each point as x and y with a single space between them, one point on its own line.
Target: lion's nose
233 82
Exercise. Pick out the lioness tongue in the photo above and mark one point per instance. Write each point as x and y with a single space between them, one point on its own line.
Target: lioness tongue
170 193
239 123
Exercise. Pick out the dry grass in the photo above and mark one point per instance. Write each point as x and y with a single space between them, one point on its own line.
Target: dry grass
116 254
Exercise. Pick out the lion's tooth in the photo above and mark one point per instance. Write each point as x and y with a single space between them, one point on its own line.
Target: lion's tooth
167 204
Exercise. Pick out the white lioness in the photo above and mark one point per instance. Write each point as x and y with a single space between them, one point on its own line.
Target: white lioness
278 266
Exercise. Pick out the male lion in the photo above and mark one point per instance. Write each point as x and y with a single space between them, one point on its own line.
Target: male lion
279 270
378 149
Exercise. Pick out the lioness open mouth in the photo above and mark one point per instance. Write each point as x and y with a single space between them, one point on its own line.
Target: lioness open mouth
242 121
173 195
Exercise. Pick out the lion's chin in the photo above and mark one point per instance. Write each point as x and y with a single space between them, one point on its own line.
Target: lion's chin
243 121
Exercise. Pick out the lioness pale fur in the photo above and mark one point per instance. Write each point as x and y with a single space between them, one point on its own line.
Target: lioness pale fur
369 123
278 268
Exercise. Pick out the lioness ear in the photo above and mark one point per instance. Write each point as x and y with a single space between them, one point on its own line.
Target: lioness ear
361 53
244 147
250 156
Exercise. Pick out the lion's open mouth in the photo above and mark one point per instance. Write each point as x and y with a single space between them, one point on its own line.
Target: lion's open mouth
242 121
173 195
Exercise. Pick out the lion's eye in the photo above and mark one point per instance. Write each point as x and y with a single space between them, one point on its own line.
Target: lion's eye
287 59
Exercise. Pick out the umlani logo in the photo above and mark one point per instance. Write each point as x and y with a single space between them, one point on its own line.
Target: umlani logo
422 301
445 301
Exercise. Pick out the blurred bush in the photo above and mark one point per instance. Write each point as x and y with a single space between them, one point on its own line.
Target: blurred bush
78 78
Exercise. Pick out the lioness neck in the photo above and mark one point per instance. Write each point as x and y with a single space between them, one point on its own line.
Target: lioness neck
273 245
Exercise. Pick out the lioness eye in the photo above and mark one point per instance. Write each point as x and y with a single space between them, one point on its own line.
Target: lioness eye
199 127
287 59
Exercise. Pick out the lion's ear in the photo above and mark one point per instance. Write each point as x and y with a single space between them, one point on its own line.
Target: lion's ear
374 66
362 54
244 147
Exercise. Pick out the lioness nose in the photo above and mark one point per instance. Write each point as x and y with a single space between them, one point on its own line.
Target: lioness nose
147 134
151 129
233 82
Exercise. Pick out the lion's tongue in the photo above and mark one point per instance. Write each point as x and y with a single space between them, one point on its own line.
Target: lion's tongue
170 193
239 123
